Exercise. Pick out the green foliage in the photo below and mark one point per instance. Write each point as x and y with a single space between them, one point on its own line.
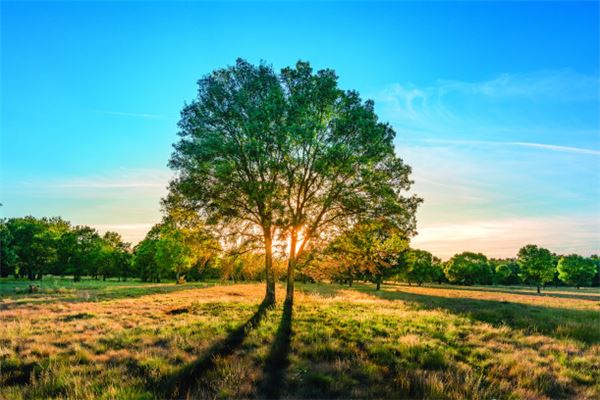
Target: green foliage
576 270
174 248
229 157
339 161
537 265
420 266
375 246
8 257
469 268
291 153
34 247
507 273
173 253
596 261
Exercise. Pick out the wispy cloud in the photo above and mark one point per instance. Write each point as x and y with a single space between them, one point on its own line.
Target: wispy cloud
560 85
541 146
152 179
560 107
502 163
568 149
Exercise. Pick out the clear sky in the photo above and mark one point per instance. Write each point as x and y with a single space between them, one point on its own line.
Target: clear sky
496 106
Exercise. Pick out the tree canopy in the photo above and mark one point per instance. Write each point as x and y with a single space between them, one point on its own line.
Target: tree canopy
537 265
288 154
469 268
576 270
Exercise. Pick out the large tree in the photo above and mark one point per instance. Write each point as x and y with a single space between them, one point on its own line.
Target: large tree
287 154
537 265
229 157
340 163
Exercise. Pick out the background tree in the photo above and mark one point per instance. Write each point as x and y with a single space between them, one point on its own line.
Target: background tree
144 263
340 163
376 246
83 252
228 159
507 272
33 244
113 256
419 266
144 259
438 274
468 268
338 261
576 270
596 261
192 230
536 265
172 253
8 257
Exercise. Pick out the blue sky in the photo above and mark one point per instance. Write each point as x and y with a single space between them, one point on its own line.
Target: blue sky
495 105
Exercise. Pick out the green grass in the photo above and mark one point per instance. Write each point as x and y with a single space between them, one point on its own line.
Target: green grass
131 340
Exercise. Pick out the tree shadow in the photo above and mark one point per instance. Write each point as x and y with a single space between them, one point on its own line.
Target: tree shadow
321 289
549 321
525 291
180 384
277 361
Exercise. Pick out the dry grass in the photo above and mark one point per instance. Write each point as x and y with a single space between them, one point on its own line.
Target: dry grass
438 342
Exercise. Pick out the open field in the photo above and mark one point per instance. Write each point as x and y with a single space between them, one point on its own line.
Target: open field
133 340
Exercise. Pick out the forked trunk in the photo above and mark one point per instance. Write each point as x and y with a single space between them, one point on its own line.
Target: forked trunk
270 276
289 294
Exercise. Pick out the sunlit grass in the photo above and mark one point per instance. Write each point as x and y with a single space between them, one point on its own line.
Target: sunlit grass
437 342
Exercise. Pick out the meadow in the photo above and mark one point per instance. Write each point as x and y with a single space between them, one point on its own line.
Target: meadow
132 340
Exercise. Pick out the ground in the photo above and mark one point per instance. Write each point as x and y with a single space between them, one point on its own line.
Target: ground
206 340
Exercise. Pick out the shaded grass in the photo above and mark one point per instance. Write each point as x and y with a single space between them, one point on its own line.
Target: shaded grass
277 361
180 383
585 293
579 324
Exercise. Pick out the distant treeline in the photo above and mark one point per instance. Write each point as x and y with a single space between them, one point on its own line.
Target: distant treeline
33 247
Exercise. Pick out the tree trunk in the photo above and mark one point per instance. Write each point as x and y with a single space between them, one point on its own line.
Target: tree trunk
538 289
270 276
378 283
289 293
350 282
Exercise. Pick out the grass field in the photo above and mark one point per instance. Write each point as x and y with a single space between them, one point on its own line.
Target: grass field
207 340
